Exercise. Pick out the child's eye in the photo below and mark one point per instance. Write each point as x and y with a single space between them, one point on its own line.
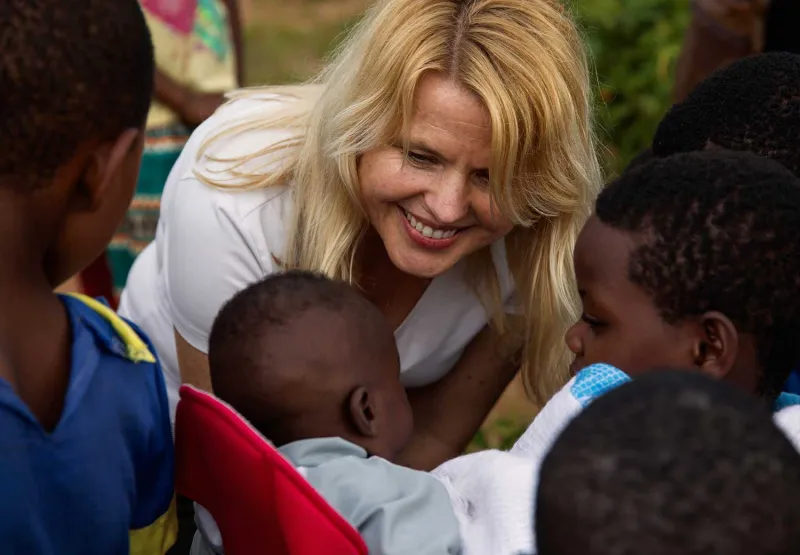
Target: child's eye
593 322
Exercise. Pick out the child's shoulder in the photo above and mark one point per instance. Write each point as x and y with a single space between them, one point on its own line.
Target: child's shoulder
117 357
119 340
128 390
110 457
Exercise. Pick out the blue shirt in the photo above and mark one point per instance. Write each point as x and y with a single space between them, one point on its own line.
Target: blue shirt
793 383
101 483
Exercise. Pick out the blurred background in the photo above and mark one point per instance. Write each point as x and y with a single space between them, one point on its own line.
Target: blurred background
634 45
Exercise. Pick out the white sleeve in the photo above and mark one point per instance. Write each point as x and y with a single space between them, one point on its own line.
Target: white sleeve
210 256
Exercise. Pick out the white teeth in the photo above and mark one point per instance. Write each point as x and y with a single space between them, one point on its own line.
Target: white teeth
429 231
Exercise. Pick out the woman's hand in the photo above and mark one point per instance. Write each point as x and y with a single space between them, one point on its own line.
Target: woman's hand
193 364
448 413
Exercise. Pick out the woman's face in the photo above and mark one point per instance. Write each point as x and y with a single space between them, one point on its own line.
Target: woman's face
433 208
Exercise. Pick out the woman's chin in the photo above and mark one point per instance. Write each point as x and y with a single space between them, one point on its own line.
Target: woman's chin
425 265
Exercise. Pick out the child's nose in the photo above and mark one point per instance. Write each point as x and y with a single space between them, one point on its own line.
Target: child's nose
574 340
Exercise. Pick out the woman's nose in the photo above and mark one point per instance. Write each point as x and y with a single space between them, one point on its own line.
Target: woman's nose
574 339
448 200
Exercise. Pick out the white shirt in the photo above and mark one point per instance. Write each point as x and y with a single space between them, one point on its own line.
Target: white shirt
212 243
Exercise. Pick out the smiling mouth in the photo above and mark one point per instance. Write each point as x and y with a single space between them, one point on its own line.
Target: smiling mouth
427 231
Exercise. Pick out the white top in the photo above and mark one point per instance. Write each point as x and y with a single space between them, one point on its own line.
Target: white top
212 243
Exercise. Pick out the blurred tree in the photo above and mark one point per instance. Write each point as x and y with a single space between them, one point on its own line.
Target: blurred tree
635 45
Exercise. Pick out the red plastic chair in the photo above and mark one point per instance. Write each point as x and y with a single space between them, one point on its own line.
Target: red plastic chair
258 499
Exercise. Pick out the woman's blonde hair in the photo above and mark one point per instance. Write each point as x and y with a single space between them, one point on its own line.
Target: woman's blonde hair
526 60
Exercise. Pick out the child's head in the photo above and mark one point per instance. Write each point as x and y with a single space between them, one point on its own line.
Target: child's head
691 262
672 463
301 356
76 81
752 104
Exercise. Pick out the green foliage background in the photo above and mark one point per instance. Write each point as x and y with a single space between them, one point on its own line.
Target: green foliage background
635 45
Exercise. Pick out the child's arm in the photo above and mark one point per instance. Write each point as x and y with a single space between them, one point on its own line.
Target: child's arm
396 510
235 18
192 107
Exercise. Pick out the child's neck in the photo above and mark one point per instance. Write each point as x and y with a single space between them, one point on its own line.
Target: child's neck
35 335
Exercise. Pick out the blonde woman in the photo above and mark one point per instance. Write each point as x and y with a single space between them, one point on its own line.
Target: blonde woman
443 162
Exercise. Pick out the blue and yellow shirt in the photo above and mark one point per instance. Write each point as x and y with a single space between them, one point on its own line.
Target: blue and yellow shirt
101 483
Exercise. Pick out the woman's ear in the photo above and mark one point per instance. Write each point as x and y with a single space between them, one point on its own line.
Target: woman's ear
362 413
717 345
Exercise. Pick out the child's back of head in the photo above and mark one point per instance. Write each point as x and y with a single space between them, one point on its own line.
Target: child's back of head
77 80
301 356
751 105
672 463
691 261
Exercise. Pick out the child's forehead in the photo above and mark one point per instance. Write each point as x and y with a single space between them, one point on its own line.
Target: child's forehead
603 252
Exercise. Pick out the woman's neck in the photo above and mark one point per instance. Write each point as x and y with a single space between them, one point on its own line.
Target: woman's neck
394 292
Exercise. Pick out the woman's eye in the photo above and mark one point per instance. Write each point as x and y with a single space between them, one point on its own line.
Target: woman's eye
482 179
420 159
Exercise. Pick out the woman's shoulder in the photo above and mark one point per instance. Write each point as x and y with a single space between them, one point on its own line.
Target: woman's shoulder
224 154
238 138
204 202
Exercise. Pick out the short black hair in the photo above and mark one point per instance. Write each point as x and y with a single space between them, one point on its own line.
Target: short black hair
642 158
717 231
70 71
752 104
295 312
780 27
670 463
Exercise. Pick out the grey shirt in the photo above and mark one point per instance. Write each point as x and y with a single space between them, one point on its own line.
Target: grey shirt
395 509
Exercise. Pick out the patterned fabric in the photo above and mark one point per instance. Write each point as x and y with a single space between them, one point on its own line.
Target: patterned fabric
138 229
211 28
598 379
786 400
193 47
595 380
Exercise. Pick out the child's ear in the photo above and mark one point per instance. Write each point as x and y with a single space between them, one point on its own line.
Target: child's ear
717 345
105 164
362 412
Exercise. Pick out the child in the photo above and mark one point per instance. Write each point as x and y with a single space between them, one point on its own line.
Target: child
671 463
86 465
753 105
313 366
691 261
